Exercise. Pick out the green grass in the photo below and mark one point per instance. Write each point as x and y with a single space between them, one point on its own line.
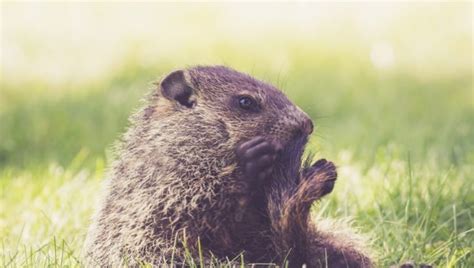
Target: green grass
404 148
402 137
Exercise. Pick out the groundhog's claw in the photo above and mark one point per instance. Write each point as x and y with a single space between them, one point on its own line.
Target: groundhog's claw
323 173
256 158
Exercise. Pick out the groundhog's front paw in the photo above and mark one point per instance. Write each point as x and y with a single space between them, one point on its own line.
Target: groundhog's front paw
256 158
323 173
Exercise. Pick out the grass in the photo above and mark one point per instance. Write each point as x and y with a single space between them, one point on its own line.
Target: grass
403 138
405 159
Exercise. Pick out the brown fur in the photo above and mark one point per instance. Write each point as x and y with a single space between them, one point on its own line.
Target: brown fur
177 185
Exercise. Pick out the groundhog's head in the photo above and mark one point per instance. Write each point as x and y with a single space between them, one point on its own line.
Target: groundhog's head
244 106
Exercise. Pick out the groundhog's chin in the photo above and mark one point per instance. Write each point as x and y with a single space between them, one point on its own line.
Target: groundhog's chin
294 145
290 156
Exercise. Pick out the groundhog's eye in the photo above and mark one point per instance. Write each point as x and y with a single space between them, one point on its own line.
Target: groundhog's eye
247 103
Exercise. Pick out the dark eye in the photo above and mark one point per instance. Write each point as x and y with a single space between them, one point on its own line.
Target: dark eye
246 102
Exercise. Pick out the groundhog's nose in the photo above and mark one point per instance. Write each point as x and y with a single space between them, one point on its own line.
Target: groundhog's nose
307 126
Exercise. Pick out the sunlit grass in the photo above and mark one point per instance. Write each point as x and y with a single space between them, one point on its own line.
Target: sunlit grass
44 214
403 147
411 211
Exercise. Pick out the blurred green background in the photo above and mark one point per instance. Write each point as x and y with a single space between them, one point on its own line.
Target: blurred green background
389 86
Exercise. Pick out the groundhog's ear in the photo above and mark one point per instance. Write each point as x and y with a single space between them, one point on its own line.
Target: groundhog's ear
174 87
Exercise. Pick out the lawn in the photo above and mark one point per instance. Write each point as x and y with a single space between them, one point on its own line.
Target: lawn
402 135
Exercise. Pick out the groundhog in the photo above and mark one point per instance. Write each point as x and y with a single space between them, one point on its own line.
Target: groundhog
211 170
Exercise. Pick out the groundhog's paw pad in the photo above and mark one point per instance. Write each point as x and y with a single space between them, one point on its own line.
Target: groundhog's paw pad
256 157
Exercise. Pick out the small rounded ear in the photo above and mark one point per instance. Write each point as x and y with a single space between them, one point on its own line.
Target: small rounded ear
174 87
